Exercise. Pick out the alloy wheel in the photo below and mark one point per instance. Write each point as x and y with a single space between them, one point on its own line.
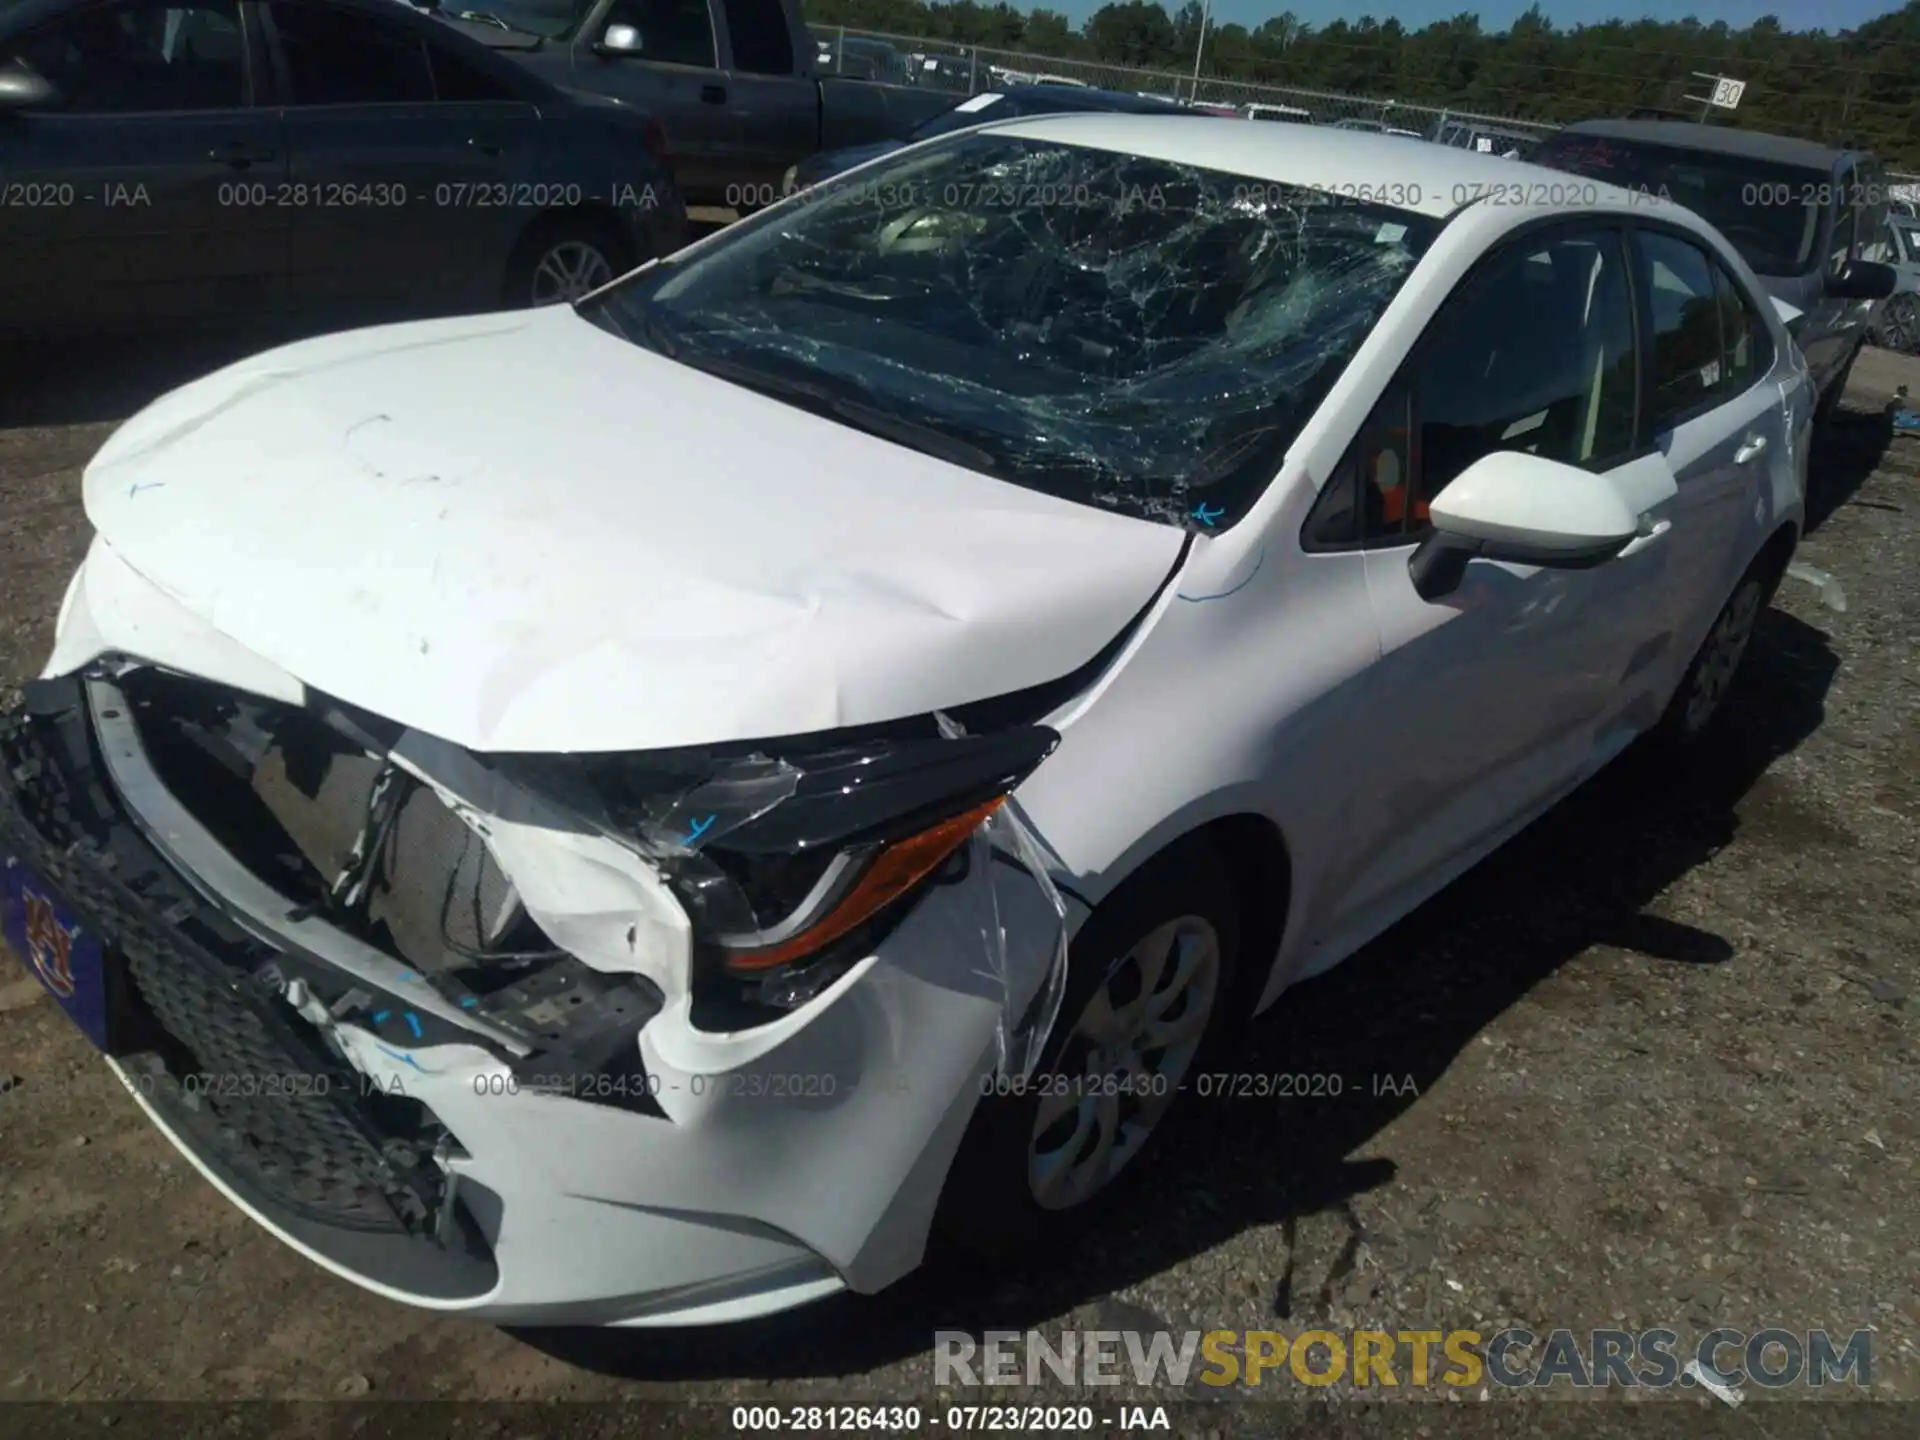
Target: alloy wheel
568 270
1123 1062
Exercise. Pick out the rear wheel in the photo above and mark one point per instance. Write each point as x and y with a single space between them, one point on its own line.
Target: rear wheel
1149 991
1696 704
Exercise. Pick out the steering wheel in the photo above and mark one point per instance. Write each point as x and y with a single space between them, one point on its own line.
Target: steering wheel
904 235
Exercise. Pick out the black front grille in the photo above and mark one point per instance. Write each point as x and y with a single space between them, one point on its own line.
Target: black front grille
236 1071
278 1116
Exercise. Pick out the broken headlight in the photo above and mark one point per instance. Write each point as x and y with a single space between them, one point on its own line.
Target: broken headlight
793 861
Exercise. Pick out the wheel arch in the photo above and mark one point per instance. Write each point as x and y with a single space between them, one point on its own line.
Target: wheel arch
1776 553
1260 866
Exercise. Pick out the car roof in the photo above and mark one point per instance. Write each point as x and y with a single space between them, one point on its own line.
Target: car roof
1426 179
1714 140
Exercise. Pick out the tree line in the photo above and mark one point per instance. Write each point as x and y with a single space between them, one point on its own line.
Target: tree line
1853 88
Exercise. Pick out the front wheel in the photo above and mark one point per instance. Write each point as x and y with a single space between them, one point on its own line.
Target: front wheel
1149 990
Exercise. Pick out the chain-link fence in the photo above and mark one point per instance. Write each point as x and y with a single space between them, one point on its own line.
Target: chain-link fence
968 69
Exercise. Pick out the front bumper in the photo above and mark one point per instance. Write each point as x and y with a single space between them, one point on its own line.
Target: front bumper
715 1177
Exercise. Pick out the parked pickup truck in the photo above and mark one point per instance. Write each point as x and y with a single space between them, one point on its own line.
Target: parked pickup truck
733 83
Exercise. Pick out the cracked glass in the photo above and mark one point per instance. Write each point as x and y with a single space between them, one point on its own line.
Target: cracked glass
1122 331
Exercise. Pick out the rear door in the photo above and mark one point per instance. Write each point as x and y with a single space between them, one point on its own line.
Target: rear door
400 200
1714 417
147 195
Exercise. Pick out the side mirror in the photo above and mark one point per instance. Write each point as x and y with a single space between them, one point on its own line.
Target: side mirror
23 89
1862 280
1518 507
619 40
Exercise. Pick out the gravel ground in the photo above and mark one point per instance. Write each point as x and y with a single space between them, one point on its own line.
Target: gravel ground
1653 1064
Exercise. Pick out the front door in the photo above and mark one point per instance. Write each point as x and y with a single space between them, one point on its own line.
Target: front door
1490 702
135 200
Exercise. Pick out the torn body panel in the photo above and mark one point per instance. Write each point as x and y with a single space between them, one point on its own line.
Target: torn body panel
434 936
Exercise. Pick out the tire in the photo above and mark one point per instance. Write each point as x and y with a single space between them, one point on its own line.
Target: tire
1696 702
561 257
1013 1181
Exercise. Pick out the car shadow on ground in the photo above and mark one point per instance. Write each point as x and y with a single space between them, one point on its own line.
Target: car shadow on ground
1846 451
1406 1005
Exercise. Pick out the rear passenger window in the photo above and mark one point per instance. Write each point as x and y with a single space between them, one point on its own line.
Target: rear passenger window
1688 366
762 44
342 57
454 78
1746 347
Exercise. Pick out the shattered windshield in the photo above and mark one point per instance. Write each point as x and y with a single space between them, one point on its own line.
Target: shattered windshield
1770 213
1125 332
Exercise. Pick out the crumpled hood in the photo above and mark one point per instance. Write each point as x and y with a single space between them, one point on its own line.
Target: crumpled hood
518 532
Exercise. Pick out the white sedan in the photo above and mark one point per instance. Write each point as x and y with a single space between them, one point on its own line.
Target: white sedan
652 811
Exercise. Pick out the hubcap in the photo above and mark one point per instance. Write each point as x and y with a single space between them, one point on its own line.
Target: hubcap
569 270
1123 1061
1720 656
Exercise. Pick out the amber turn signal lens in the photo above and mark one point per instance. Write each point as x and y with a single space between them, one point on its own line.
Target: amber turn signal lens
893 872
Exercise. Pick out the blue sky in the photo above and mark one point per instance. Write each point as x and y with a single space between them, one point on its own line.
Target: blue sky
1498 14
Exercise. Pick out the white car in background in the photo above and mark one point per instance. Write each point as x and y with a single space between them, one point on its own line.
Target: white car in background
645 812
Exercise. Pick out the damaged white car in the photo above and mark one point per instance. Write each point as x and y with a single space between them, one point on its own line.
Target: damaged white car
646 812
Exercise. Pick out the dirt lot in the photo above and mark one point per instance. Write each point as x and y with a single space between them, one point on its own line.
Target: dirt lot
1661 1050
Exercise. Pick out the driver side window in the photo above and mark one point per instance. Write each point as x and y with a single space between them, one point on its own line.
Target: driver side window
1534 352
674 32
138 56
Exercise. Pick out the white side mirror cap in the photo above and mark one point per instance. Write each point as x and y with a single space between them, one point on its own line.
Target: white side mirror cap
1512 499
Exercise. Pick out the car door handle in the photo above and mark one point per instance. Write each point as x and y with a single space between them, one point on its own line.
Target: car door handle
484 147
1751 448
1642 542
713 94
240 155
